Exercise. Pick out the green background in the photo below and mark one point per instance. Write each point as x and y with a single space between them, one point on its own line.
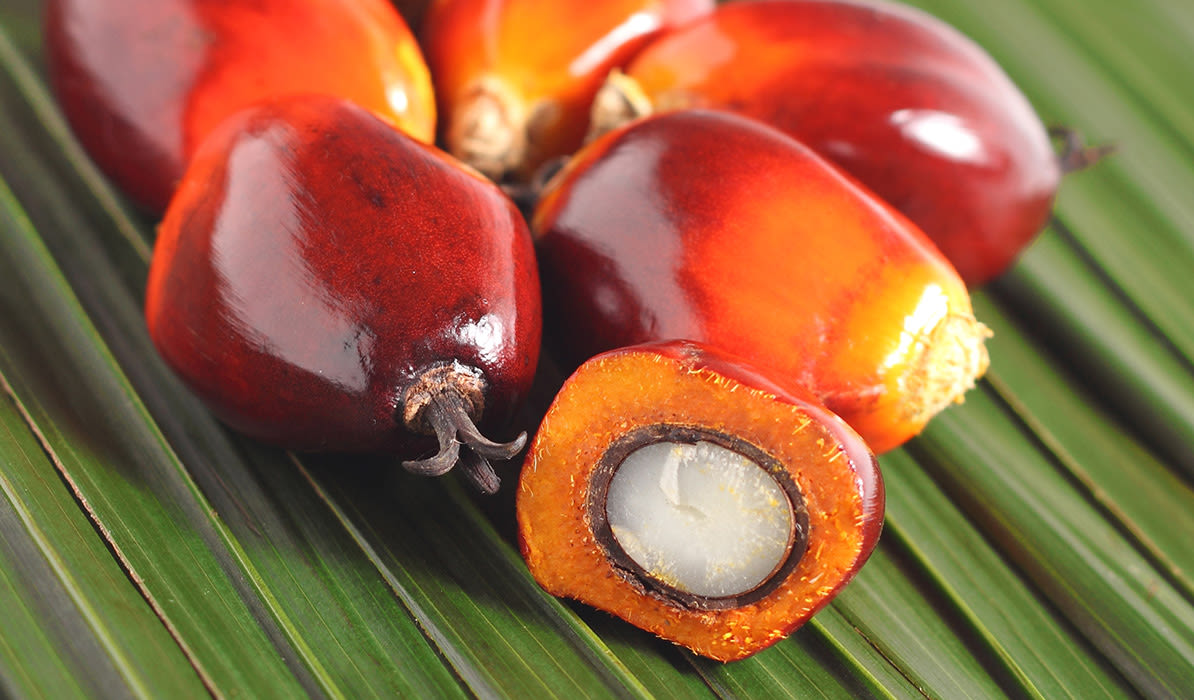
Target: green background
1039 540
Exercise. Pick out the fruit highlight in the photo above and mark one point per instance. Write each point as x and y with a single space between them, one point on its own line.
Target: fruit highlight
325 282
142 82
752 227
711 227
914 110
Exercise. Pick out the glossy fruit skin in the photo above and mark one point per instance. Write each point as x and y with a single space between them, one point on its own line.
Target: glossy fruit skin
548 58
687 383
715 228
315 259
143 81
900 100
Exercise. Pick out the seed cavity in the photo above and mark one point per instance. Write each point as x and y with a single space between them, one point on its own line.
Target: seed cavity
699 517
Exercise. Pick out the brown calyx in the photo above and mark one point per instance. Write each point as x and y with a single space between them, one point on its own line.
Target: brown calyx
488 130
634 573
499 133
446 401
620 100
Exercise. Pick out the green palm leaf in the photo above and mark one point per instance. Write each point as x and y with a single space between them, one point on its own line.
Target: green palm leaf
1038 542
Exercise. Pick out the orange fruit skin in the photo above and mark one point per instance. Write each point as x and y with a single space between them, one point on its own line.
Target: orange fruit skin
900 100
548 55
143 81
710 227
688 384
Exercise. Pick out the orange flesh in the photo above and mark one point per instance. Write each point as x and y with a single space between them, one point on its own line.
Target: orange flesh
623 390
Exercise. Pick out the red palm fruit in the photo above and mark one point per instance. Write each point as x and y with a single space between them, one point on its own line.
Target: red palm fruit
143 81
900 100
715 228
325 282
693 496
515 78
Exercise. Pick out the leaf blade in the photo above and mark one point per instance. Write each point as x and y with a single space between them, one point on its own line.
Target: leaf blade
106 467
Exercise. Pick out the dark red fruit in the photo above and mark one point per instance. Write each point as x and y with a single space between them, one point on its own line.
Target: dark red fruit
325 282
143 81
714 228
900 100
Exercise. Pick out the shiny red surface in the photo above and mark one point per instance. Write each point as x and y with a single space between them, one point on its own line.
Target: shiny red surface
900 100
711 227
314 259
142 81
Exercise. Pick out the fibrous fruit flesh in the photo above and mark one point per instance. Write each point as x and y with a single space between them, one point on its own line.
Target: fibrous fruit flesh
688 493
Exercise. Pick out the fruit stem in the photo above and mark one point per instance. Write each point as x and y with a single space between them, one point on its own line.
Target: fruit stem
620 100
449 447
1075 154
443 401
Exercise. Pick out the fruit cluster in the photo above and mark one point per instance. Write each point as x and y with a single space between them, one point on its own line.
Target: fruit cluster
751 230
